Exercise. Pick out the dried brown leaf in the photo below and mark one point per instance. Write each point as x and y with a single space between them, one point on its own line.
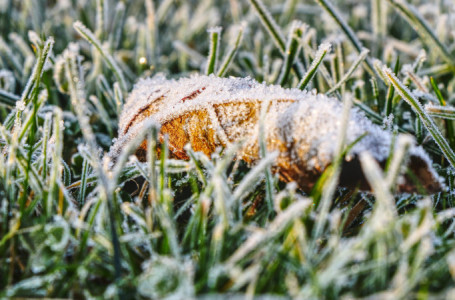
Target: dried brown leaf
209 112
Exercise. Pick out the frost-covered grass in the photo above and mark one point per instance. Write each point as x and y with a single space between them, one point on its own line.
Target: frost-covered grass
214 228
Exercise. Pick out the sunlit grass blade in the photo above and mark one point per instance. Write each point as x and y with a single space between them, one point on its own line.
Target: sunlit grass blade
231 54
320 54
91 38
351 70
413 16
214 49
385 210
426 119
273 29
404 142
106 191
334 171
388 108
330 9
294 211
449 125
292 50
442 112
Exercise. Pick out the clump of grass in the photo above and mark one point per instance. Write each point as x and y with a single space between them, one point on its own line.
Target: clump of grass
71 225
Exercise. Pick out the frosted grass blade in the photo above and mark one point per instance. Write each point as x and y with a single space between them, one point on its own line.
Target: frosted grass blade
449 125
292 50
330 9
8 99
55 172
91 38
294 211
273 29
388 108
404 142
231 54
117 25
270 24
385 210
11 57
412 15
406 94
334 172
251 179
320 54
36 73
351 70
45 140
443 112
214 49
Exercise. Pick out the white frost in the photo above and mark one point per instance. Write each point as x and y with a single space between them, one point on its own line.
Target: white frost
306 123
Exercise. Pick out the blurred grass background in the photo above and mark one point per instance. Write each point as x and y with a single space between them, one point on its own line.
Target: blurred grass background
210 228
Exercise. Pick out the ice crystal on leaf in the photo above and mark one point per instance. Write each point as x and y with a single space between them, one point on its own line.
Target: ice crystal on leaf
210 112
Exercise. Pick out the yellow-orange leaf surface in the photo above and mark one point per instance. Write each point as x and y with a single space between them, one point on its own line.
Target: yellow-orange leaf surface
209 112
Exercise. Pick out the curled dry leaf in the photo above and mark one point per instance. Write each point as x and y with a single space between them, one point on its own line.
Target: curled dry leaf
210 112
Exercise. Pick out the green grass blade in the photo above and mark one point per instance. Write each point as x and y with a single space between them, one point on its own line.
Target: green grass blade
406 94
388 108
422 28
442 112
330 9
273 29
292 50
351 70
8 99
90 37
320 54
231 54
214 49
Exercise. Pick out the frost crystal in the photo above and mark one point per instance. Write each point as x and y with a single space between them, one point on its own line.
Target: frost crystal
20 105
210 112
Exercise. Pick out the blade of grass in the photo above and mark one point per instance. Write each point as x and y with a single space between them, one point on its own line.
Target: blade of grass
35 78
263 151
403 144
390 92
443 112
351 70
448 124
45 139
406 94
90 37
83 185
320 54
330 9
106 190
274 31
412 15
385 210
8 99
330 185
231 54
256 240
292 50
55 173
214 49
